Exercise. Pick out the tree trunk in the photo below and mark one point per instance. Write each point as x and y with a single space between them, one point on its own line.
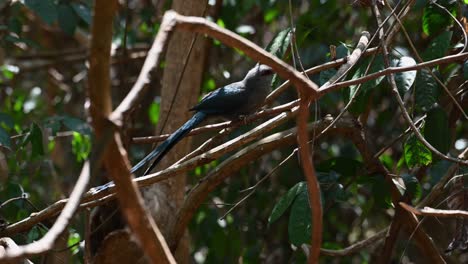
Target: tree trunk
165 199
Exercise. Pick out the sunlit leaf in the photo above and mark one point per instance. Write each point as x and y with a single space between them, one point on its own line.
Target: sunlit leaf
405 80
416 153
153 112
81 146
73 242
270 15
435 19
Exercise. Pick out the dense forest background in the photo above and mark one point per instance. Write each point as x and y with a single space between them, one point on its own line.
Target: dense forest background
246 201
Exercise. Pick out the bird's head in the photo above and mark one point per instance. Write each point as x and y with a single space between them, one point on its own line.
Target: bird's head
260 73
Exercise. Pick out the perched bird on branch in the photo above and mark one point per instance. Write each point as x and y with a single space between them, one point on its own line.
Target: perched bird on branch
231 101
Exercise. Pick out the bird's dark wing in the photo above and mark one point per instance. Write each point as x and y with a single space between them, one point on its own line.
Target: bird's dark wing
223 101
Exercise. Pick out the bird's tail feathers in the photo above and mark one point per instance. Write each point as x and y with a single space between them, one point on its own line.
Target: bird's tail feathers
175 137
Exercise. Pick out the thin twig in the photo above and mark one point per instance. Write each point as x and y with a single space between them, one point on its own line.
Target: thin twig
47 242
428 211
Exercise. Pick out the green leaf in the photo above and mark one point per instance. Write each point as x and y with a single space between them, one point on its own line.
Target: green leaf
14 25
412 185
67 19
153 112
83 12
436 129
4 138
300 221
405 80
76 125
270 15
426 90
34 234
8 71
362 99
36 140
381 191
81 146
6 120
220 23
73 242
435 19
416 153
438 46
209 85
285 201
280 43
45 9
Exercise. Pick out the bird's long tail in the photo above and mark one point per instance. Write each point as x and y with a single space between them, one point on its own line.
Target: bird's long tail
158 153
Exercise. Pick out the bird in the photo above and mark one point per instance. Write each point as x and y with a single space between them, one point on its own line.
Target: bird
231 102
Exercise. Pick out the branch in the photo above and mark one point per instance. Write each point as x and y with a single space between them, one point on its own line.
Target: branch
228 124
7 243
438 189
313 186
356 247
433 75
428 211
353 59
115 157
391 70
399 214
48 240
171 21
225 169
150 179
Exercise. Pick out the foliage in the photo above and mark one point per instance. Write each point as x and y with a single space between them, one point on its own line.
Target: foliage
46 134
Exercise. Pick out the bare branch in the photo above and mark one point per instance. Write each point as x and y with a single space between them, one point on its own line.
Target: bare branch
356 247
428 211
47 242
215 127
115 157
313 186
391 70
